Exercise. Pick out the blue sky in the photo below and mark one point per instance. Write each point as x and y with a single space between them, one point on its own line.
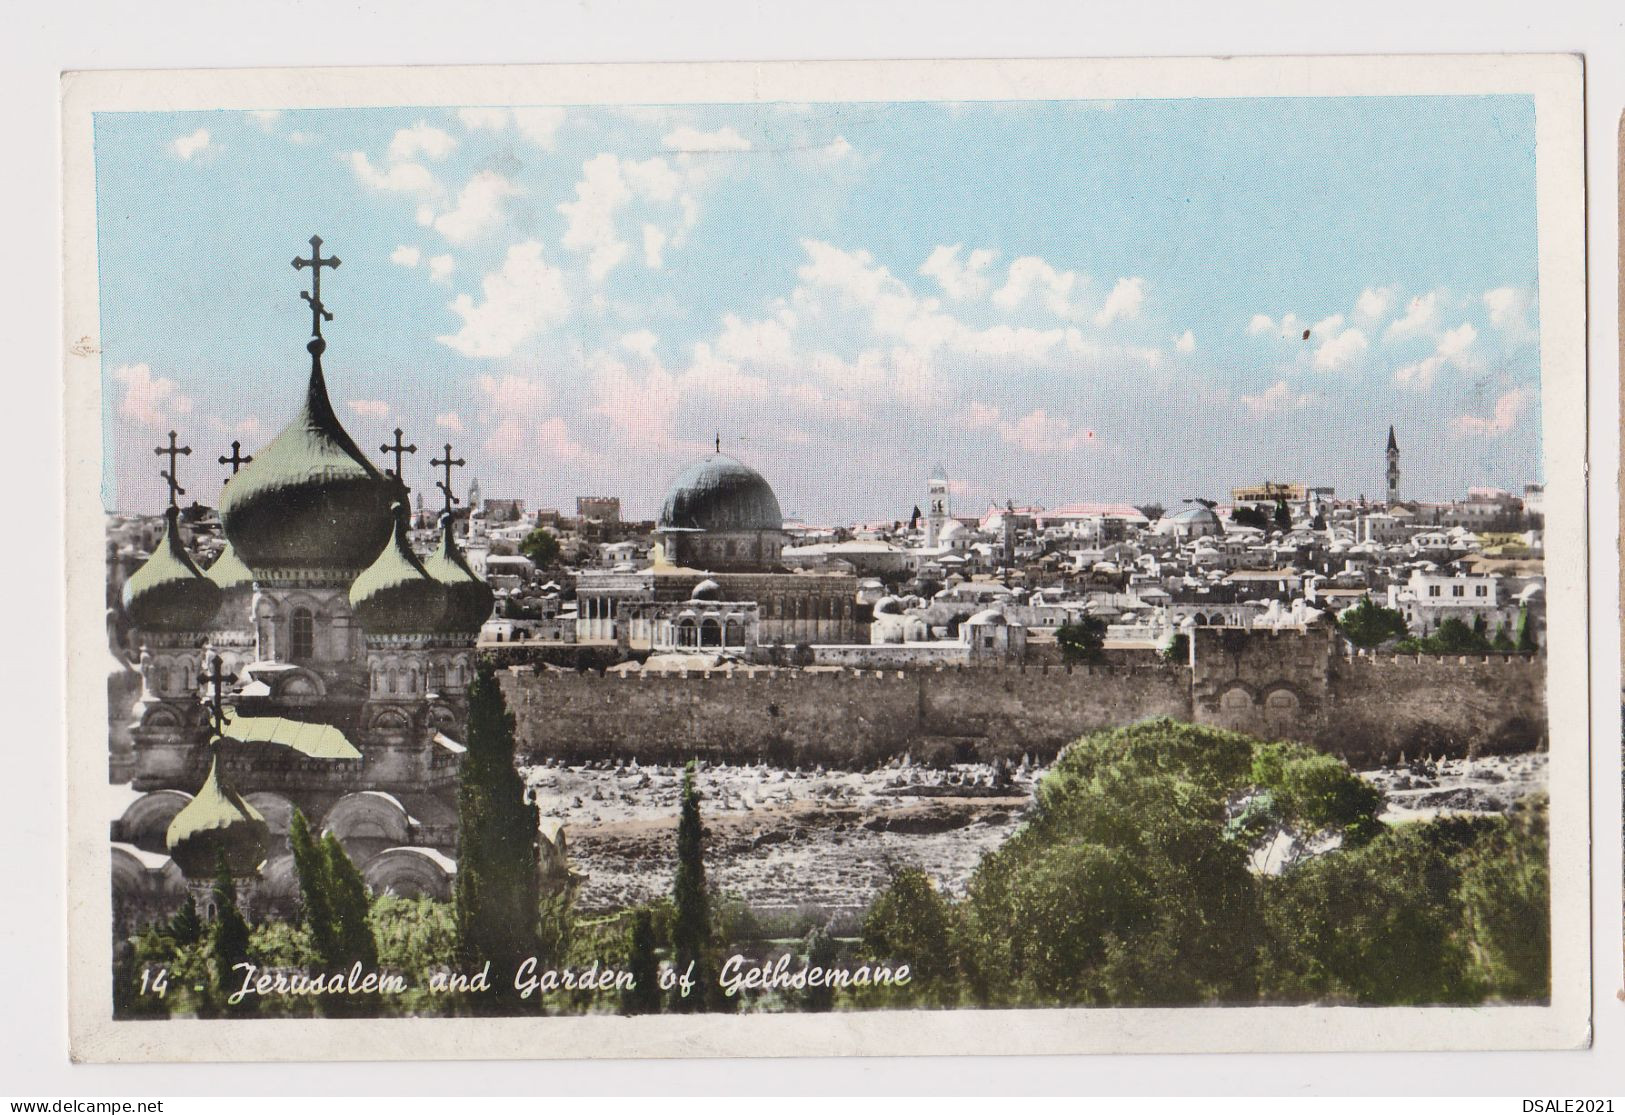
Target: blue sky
1056 300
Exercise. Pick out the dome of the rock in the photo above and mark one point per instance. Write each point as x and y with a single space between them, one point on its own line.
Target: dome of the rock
718 493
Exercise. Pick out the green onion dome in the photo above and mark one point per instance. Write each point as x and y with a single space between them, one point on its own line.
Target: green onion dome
218 820
310 500
469 599
168 592
395 595
229 572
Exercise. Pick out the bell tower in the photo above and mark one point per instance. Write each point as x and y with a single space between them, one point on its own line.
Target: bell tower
936 516
1393 468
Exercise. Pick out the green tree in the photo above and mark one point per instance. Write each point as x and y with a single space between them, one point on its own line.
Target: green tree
1081 641
644 963
1528 641
315 906
541 546
1369 624
348 906
1283 516
911 923
186 927
1505 893
821 952
1245 516
496 892
228 937
1152 511
691 936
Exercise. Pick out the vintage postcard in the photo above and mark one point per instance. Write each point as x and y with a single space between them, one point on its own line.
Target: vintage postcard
860 558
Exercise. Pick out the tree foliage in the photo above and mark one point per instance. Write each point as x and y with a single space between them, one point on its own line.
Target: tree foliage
691 929
643 962
1369 624
541 546
1081 641
1136 881
228 936
496 892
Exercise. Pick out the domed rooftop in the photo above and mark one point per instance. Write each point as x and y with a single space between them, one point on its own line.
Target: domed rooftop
169 592
706 590
395 595
310 499
468 599
718 493
228 570
217 821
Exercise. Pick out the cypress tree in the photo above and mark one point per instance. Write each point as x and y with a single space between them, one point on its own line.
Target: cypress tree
644 998
496 893
348 905
228 939
186 927
691 926
1527 643
311 866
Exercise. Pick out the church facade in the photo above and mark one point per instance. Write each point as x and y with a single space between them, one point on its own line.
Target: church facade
340 657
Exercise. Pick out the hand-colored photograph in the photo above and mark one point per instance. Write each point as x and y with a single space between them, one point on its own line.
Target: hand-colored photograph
810 557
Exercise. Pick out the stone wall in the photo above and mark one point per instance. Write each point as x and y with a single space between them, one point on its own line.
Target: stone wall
1288 685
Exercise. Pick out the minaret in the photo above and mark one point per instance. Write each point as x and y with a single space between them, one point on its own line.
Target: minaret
937 497
1393 468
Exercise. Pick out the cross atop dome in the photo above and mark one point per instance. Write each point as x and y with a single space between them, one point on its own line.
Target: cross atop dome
173 452
318 311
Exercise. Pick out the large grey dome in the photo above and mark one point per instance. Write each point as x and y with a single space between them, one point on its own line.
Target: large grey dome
717 493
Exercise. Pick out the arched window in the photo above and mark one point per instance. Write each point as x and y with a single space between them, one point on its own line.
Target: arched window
710 633
437 676
394 681
301 635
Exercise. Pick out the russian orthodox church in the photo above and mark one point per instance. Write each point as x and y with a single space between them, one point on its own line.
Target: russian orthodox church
318 663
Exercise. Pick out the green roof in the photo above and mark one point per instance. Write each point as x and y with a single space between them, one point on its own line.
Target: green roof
310 499
470 598
217 820
228 570
169 592
319 741
395 595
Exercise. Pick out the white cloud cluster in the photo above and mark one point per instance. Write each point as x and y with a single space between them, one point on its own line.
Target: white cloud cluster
692 141
1034 432
148 399
1508 408
1419 315
1031 276
1279 396
187 146
608 187
370 408
1455 349
521 299
539 125
1124 301
959 279
479 206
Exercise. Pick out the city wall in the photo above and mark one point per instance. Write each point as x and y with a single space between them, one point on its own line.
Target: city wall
1275 685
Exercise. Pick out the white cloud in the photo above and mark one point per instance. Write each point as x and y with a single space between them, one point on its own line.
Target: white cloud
1123 302
958 279
1508 408
1508 309
1419 315
1453 350
1031 275
149 399
524 297
837 150
1341 348
398 178
512 395
370 408
441 268
693 141
1374 303
1186 342
1261 323
642 342
266 118
1038 432
654 246
189 145
421 139
763 342
451 420
480 205
590 218
539 125
1277 397
406 255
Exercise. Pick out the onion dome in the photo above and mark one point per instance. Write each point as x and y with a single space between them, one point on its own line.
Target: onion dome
168 592
310 499
217 821
718 493
229 572
395 595
468 599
